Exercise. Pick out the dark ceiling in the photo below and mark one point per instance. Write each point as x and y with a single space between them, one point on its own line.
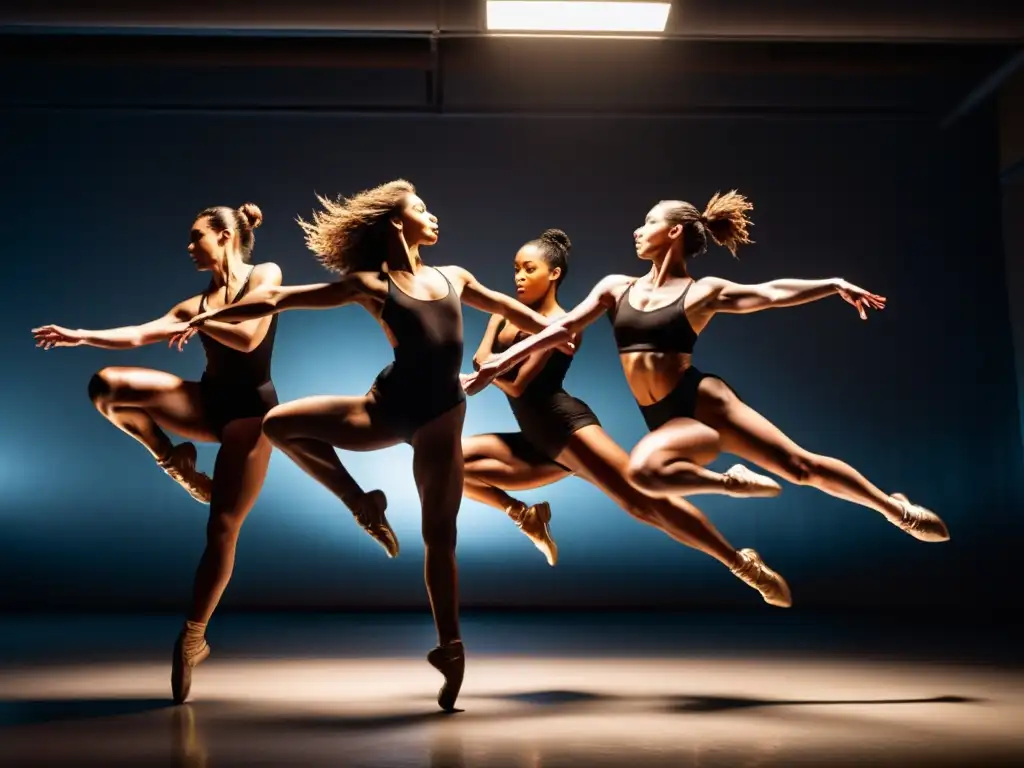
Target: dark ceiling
742 57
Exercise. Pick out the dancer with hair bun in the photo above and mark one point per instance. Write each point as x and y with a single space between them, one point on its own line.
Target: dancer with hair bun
226 406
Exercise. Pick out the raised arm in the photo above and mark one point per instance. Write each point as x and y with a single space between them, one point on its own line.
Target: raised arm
126 337
479 296
269 300
735 298
558 333
248 335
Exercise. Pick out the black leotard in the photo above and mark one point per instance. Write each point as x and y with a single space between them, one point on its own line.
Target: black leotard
423 381
666 329
545 412
236 385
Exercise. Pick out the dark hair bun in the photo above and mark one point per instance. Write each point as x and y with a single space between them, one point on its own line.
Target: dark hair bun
252 214
558 239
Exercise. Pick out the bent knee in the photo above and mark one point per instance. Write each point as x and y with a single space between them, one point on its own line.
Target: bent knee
276 425
102 386
643 471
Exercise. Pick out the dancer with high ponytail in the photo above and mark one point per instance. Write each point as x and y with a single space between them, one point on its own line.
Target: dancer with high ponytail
373 240
560 436
693 416
226 406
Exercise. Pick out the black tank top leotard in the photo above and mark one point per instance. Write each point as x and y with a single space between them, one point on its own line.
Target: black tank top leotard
666 329
545 412
236 385
423 381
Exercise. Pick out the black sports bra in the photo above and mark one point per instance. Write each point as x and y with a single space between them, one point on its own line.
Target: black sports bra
666 329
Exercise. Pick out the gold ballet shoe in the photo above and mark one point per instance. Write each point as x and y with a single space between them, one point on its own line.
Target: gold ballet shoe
534 521
450 661
369 513
189 652
180 466
740 481
921 523
752 570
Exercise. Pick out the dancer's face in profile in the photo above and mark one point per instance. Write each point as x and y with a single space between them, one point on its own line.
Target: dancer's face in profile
206 245
418 224
534 278
656 236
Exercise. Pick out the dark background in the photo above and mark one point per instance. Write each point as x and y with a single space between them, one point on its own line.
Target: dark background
856 158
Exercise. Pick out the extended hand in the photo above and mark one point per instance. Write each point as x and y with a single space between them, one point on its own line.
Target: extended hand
862 300
478 380
49 336
180 338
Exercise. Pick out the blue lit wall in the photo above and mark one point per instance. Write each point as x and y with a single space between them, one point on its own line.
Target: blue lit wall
96 209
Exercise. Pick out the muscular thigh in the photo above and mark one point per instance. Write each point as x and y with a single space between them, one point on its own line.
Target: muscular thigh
594 456
344 422
506 462
173 403
437 462
240 469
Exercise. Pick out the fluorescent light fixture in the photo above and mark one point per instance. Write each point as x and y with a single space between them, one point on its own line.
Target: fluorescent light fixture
576 16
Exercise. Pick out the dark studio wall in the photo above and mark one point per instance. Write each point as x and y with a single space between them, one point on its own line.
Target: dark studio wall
921 398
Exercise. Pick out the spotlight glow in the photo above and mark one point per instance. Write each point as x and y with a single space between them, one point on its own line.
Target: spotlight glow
573 16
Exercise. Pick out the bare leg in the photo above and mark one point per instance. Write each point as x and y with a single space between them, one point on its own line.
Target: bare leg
492 467
668 462
308 431
594 456
139 401
750 435
238 477
438 468
597 458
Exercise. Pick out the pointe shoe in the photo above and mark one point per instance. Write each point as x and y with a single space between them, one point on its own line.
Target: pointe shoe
921 523
180 466
755 573
534 521
185 659
369 513
740 481
450 661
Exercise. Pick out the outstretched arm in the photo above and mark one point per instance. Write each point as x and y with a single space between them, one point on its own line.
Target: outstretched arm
735 298
269 300
558 333
479 296
127 337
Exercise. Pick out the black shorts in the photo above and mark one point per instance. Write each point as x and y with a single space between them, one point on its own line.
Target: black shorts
681 402
404 403
224 402
547 424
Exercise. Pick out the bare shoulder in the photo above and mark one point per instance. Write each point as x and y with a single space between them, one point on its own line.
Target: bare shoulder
611 287
366 284
457 276
267 273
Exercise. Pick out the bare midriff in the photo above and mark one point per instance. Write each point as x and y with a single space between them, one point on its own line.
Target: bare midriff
653 375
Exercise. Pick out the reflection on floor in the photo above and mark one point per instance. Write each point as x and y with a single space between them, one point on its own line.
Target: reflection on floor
633 690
